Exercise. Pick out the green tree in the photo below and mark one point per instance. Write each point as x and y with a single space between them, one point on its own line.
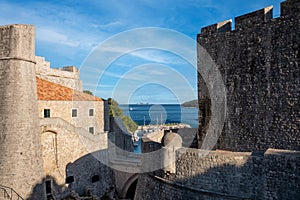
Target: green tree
88 92
116 111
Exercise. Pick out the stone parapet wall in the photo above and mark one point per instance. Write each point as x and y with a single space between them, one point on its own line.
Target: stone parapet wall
227 175
119 135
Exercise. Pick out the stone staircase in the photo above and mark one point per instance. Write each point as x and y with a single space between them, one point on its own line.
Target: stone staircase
7 193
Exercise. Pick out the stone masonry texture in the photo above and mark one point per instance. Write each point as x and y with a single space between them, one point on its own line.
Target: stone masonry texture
21 161
226 175
259 63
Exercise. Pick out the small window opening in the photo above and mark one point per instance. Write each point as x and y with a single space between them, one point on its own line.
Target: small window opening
91 130
74 112
91 112
46 113
95 178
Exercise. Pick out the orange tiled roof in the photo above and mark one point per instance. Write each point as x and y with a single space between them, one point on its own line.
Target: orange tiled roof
49 91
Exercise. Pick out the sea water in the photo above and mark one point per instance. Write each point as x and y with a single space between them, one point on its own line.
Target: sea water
145 114
161 114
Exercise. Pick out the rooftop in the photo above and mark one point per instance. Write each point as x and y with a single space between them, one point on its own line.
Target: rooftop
49 91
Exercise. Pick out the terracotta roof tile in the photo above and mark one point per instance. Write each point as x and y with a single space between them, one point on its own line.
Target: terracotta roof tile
47 90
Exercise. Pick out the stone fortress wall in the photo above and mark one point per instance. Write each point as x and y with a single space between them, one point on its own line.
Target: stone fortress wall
259 62
21 164
68 76
226 175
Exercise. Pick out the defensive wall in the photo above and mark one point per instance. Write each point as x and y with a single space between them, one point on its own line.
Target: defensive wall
68 76
21 163
226 175
259 64
257 155
119 135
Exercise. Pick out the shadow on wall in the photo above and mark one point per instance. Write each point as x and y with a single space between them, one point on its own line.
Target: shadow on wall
50 188
88 173
86 177
227 175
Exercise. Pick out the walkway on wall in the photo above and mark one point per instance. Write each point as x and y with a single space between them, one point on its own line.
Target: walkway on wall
130 163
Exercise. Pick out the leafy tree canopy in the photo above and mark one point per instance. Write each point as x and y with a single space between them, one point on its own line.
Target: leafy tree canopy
116 111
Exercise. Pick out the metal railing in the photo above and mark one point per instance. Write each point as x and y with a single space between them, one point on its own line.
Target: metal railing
9 193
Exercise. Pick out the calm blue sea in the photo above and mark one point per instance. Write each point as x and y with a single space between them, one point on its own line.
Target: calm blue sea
161 114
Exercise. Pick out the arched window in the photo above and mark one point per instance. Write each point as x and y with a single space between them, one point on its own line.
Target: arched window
95 178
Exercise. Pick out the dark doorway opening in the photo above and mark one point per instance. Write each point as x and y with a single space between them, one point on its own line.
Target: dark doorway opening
131 190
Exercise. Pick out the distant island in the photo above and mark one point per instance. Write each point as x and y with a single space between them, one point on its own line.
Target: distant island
193 103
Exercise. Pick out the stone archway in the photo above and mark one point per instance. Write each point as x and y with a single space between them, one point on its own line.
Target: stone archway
129 187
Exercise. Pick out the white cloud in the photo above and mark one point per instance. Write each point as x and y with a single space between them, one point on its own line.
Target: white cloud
48 35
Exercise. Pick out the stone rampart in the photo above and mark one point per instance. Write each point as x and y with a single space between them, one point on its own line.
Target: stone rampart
21 164
226 175
259 62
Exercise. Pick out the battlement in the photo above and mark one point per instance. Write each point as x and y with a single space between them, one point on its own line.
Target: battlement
68 76
256 17
247 21
290 8
70 69
218 27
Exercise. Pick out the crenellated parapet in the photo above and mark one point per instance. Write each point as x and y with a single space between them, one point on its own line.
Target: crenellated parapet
218 27
253 18
68 76
288 8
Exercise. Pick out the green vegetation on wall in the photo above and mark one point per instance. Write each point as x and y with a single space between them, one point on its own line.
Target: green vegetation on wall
88 92
115 111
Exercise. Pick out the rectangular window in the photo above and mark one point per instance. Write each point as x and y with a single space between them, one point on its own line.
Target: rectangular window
91 112
46 113
91 130
74 112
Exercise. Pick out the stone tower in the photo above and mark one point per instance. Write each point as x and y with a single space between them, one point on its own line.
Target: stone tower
20 146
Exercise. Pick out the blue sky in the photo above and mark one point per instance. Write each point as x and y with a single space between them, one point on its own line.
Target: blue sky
68 31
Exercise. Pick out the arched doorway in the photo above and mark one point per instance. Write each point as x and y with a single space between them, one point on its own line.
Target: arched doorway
129 188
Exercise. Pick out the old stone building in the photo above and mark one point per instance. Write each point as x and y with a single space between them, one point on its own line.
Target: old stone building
75 107
49 129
